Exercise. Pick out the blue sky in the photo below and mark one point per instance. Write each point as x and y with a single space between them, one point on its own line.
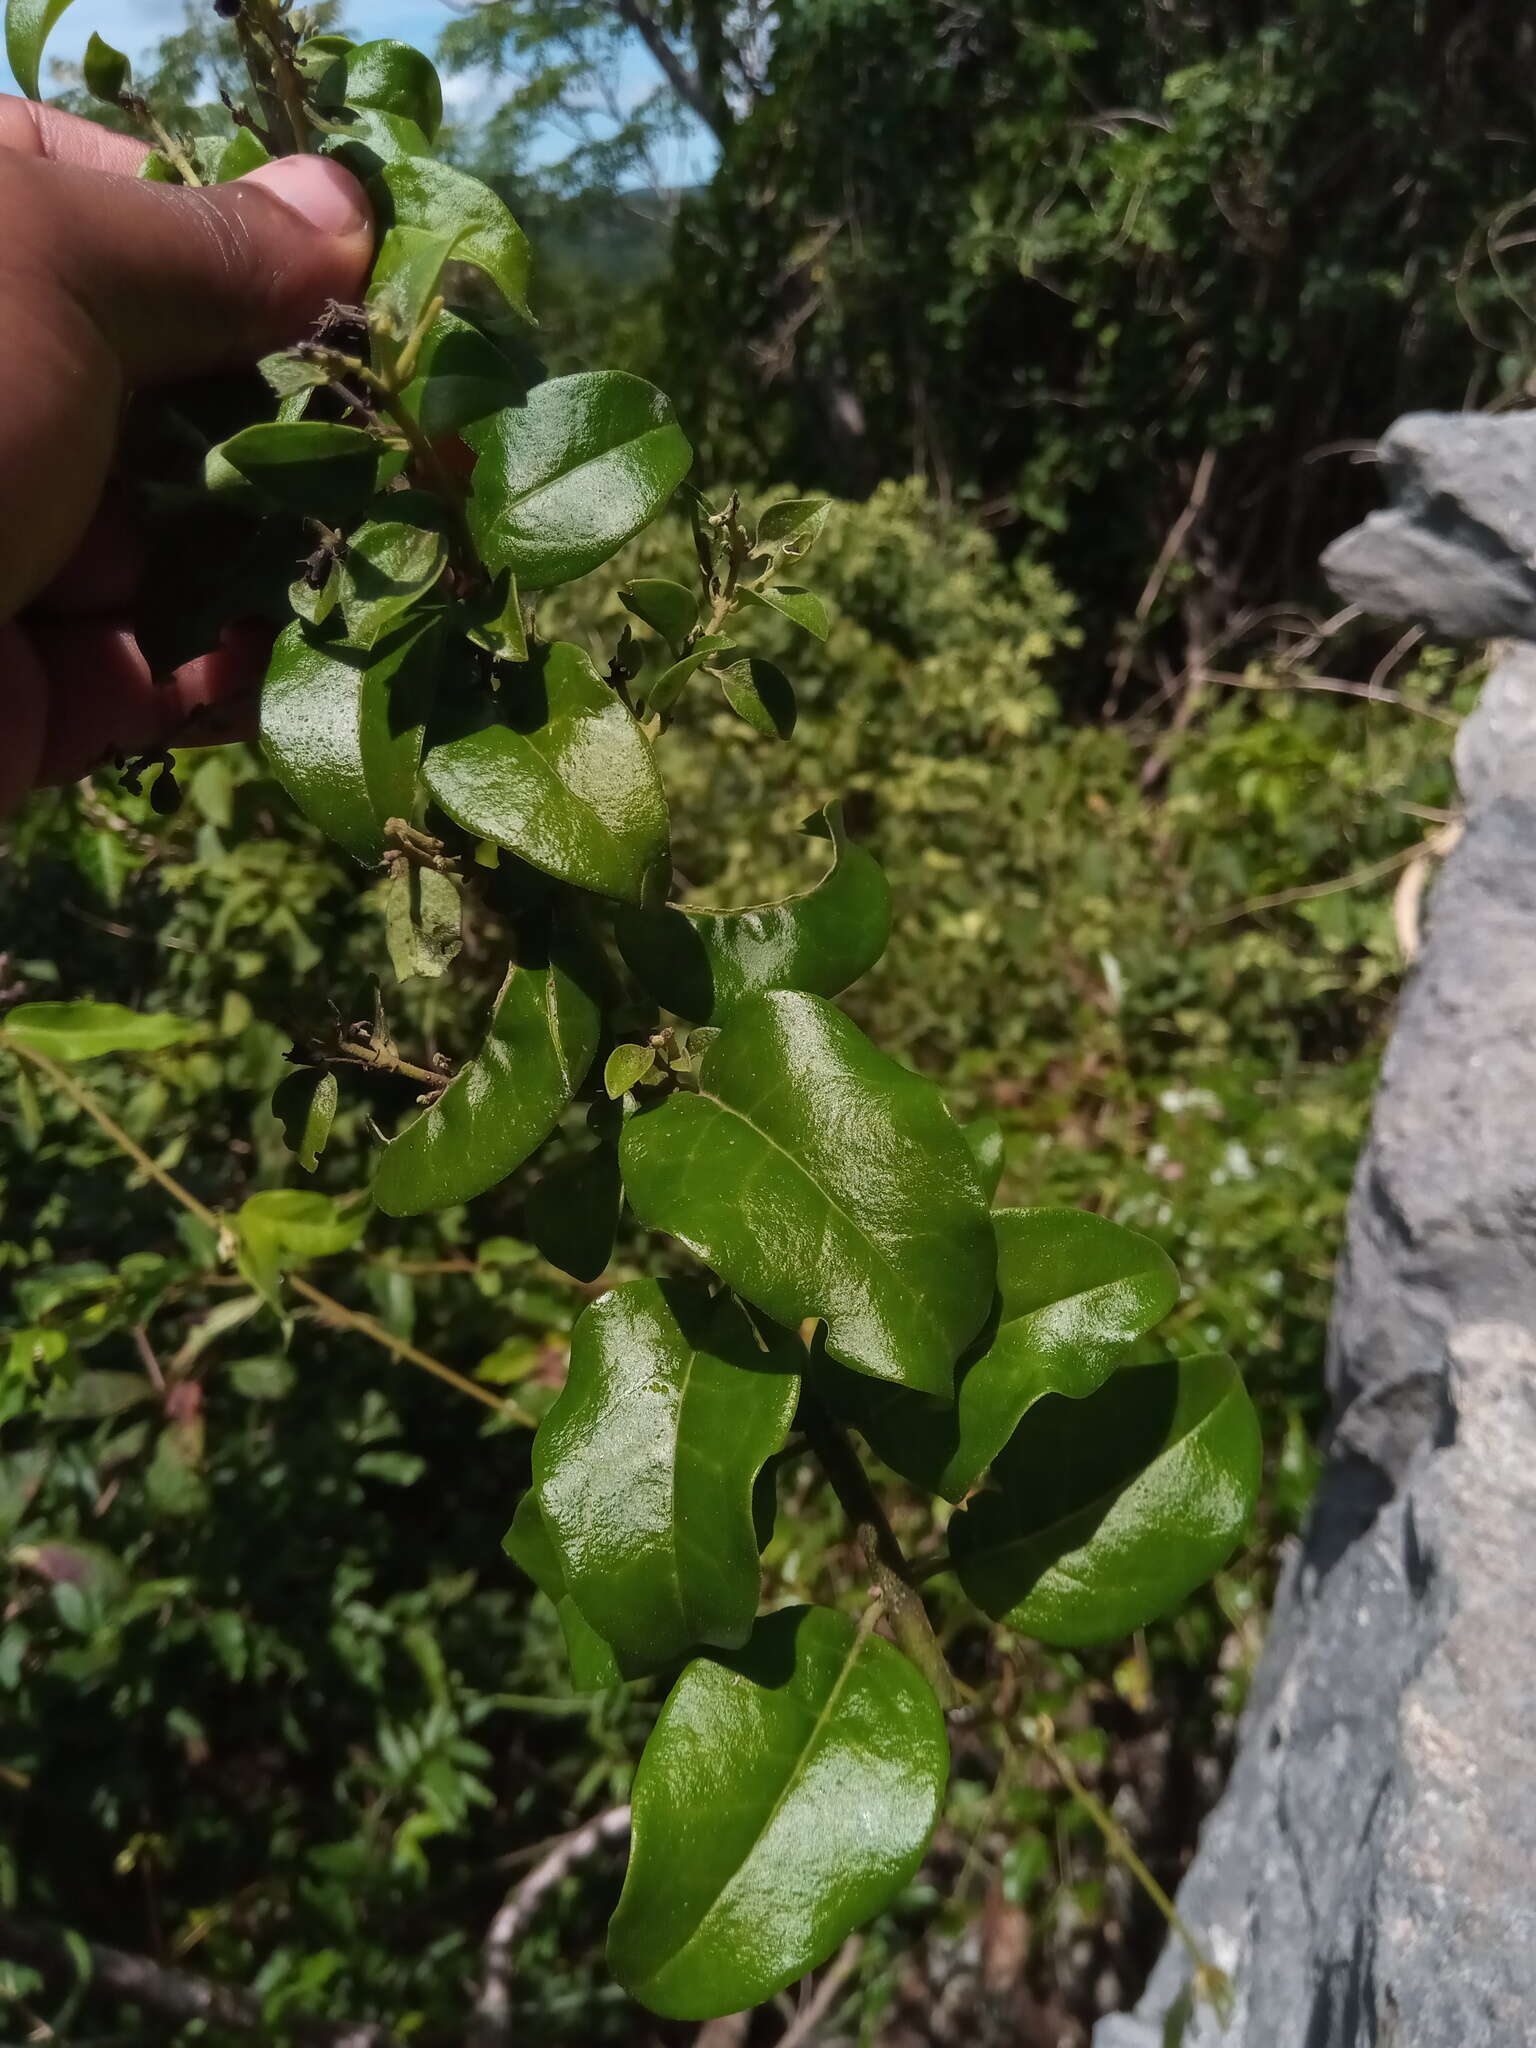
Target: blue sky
137 25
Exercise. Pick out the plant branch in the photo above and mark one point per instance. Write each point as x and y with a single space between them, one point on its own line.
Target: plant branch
175 1995
82 1098
1210 1981
490 2023
331 1310
884 1555
802 2028
687 84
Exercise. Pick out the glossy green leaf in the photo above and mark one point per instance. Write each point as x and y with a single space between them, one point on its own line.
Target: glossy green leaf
396 79
288 374
593 1665
304 1103
423 922
984 1135
1105 1513
495 621
388 566
572 1215
667 608
565 479
423 193
552 766
342 726
461 376
505 1102
282 1228
85 1031
406 273
307 467
370 141
28 25
646 1463
786 1796
802 608
819 1178
792 525
663 691
701 963
222 158
761 694
1075 1292
105 71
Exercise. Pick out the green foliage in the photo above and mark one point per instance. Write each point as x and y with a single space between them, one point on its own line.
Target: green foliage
786 1795
430 723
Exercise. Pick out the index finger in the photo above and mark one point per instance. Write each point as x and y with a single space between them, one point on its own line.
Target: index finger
34 130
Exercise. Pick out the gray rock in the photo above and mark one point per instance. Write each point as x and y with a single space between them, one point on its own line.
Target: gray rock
1368 1880
1457 549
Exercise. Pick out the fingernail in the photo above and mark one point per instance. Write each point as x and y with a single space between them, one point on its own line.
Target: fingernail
320 191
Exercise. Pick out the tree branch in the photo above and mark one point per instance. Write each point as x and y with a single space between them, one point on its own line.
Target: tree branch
490 2024
687 84
172 1994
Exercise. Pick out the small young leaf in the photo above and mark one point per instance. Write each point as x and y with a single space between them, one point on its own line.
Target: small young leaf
308 467
422 193
572 1215
28 25
394 78
342 726
305 1105
1075 1293
105 70
406 272
793 525
761 694
819 1178
564 480
505 1102
495 622
423 922
659 696
667 608
553 767
85 1031
802 608
1105 1513
700 963
627 1066
287 1227
221 159
645 1466
288 374
786 1795
388 566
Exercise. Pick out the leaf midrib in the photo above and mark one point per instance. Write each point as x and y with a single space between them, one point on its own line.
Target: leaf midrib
902 1283
517 501
791 1783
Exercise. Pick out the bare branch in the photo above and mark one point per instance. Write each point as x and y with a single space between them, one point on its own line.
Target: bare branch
172 1994
491 2022
803 2028
687 84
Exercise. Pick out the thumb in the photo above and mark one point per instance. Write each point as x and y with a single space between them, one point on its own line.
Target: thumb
182 282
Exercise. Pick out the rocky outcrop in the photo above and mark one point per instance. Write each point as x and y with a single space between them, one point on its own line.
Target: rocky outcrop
1369 1876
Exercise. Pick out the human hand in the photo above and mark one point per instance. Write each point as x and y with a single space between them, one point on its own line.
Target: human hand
107 283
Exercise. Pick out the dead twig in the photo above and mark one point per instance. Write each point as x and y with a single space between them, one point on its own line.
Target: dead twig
803 2027
490 2023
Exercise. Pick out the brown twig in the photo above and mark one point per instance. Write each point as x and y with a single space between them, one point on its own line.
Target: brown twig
490 2023
1337 687
885 1557
175 1995
1309 891
803 2027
